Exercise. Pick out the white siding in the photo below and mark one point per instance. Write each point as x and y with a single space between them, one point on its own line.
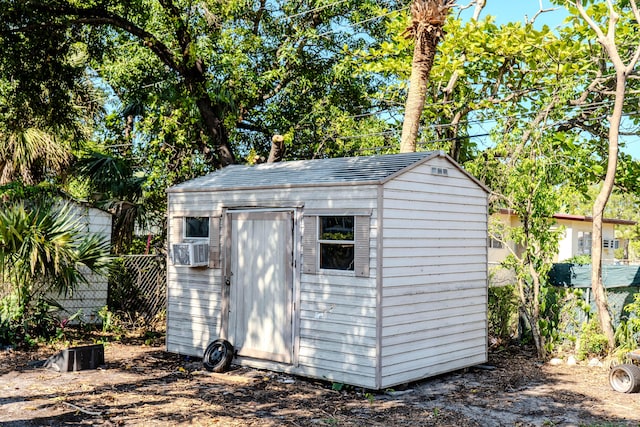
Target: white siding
335 313
89 298
193 309
432 293
338 328
434 274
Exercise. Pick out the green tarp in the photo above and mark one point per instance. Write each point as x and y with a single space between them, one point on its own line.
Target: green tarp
579 276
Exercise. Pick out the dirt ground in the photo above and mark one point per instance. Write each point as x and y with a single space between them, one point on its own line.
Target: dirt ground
145 386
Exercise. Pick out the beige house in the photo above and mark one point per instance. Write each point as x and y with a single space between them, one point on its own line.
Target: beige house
575 240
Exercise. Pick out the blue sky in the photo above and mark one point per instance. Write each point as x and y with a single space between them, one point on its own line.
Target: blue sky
518 10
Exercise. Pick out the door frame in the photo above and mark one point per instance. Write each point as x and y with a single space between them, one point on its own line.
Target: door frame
296 246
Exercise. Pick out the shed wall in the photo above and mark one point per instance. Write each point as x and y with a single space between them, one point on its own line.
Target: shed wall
92 297
335 312
434 272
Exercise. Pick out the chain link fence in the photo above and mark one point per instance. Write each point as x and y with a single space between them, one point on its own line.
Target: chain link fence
138 287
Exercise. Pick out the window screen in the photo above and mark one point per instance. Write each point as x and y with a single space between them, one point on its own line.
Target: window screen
337 242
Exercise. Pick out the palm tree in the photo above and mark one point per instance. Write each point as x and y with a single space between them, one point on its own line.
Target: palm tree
116 188
43 249
31 154
427 19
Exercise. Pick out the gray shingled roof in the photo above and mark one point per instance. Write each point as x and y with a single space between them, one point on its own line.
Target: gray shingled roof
371 169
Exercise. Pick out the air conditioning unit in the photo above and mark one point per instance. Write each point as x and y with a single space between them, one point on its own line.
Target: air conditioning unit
191 254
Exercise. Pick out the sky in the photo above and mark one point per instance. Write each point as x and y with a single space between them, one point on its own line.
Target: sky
518 10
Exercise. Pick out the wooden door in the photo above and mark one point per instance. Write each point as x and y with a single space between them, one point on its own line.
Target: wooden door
261 284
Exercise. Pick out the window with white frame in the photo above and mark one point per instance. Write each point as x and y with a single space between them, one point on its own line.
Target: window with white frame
584 243
610 243
336 237
495 243
196 227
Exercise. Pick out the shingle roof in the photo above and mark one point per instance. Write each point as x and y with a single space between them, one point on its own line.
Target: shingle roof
371 169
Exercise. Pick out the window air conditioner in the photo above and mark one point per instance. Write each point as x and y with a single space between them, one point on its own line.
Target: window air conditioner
191 254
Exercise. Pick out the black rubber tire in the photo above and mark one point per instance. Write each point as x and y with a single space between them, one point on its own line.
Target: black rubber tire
218 356
625 378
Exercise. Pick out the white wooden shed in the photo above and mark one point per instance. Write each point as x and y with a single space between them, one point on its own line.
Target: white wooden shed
89 298
369 271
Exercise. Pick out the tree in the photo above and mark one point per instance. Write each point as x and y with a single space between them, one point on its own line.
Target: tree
230 75
46 110
427 21
609 43
113 187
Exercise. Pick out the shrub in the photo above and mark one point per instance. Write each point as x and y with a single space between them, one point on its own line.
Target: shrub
628 331
503 309
592 342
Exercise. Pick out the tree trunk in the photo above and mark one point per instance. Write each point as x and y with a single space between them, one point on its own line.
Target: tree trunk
428 17
277 149
599 205
217 132
420 69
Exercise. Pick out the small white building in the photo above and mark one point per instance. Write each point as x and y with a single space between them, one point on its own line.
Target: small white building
88 298
369 271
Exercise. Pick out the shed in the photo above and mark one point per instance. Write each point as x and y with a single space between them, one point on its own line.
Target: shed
369 271
89 298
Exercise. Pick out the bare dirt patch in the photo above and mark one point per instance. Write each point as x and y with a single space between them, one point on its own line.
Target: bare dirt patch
143 385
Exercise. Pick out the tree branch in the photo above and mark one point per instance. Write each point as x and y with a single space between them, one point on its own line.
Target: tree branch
100 16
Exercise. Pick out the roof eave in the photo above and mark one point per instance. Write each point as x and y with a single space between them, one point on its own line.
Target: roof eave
174 190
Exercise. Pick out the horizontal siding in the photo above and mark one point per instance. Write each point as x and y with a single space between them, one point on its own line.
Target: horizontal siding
350 197
425 271
408 323
433 261
87 298
438 365
431 301
338 364
337 335
410 284
401 198
445 327
435 346
92 297
194 306
434 302
432 243
451 282
439 354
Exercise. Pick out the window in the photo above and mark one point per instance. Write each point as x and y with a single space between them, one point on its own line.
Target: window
584 243
196 227
495 243
337 242
610 243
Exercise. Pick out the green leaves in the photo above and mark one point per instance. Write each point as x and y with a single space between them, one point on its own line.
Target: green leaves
45 249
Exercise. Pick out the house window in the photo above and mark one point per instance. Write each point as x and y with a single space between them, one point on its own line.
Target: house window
584 243
610 244
337 242
495 243
196 227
